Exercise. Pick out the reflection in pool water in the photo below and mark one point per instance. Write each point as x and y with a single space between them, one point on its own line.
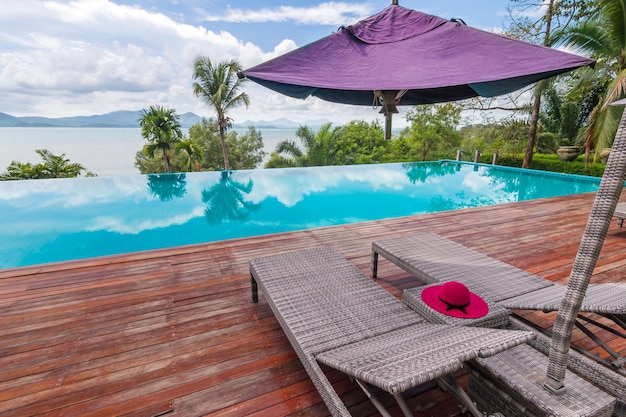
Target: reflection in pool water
55 220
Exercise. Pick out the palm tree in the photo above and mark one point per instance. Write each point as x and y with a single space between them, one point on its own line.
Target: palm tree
57 166
318 148
53 166
602 35
21 171
219 87
193 151
161 127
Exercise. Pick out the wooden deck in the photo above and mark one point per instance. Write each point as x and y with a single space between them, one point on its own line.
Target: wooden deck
173 332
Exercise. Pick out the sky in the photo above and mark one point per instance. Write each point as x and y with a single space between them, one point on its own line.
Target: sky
83 57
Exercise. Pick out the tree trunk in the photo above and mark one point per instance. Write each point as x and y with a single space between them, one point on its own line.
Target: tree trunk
166 162
224 150
532 130
534 117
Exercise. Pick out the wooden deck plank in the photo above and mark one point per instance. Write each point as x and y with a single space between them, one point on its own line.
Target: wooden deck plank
174 332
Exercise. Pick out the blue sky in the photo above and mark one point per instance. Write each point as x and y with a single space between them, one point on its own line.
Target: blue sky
82 57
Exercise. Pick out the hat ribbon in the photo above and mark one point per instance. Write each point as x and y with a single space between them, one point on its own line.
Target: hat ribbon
450 306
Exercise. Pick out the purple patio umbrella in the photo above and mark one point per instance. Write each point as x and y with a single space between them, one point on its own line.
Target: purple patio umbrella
404 57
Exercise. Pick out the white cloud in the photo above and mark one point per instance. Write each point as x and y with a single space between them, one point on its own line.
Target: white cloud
291 192
331 13
135 226
66 57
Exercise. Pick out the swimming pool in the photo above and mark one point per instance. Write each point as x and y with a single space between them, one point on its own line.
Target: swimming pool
64 219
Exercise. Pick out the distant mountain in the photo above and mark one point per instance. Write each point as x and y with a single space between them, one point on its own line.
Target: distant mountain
127 118
121 118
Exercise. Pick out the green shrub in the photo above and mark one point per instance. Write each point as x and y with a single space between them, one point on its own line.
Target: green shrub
549 162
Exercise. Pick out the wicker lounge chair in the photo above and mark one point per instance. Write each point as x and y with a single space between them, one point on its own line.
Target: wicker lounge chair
434 259
334 315
512 382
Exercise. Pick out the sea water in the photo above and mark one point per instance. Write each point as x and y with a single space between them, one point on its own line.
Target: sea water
103 151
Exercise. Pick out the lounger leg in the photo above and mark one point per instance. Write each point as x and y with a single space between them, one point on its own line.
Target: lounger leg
374 265
403 405
381 409
450 384
620 222
254 288
619 361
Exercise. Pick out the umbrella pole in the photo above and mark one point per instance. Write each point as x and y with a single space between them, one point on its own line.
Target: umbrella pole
388 116
602 211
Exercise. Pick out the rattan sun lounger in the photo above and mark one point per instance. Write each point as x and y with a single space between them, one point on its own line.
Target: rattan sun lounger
435 259
335 316
511 382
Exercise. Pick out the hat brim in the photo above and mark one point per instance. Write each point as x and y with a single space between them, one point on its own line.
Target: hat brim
477 307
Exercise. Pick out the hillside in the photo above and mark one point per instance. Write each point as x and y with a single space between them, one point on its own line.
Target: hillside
127 118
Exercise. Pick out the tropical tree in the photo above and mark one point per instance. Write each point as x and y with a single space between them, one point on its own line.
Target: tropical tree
201 151
53 166
161 127
219 87
318 148
556 15
433 130
360 142
246 151
22 171
602 35
193 151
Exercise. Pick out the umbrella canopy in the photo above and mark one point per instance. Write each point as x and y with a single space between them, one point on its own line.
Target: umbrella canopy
404 57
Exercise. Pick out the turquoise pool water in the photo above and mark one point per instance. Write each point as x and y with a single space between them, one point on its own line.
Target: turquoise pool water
56 220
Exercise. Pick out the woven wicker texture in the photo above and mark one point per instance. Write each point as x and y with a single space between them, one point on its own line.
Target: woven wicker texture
517 377
607 197
314 287
435 259
325 304
600 298
598 374
397 361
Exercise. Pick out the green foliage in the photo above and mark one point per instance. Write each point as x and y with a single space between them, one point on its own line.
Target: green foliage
161 128
360 142
552 163
193 152
53 166
505 137
356 142
600 34
202 151
246 151
219 87
318 148
433 130
548 142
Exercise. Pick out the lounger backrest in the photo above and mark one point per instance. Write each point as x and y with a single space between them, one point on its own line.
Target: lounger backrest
434 259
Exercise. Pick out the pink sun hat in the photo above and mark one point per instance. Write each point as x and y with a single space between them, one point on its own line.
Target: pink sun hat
455 299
